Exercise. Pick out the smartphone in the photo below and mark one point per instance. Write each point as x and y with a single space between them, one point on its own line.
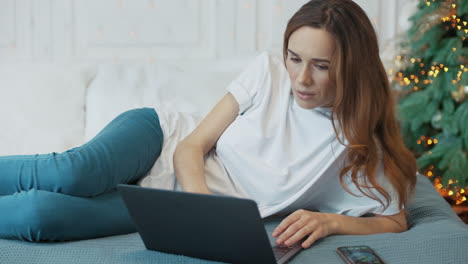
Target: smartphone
359 255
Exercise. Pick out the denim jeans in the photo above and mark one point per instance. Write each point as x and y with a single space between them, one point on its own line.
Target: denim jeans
71 195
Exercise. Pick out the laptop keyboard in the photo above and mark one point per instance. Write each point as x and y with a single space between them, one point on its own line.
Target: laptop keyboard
281 250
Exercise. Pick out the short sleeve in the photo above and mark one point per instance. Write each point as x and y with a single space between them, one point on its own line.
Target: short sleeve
246 88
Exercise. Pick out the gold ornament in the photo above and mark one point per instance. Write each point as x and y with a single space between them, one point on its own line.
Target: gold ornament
428 21
460 95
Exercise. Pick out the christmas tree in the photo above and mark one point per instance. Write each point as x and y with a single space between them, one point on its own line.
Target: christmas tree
432 80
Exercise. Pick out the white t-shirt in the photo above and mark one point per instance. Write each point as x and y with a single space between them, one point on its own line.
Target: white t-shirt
280 155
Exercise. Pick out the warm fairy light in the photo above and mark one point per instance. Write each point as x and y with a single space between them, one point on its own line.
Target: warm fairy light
446 69
419 141
428 3
407 81
429 142
429 174
416 88
450 192
439 186
454 5
421 65
398 57
390 71
413 60
436 141
450 182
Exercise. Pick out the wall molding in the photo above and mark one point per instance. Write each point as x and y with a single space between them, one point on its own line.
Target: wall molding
101 30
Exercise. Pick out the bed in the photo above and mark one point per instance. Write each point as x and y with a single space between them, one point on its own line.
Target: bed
97 94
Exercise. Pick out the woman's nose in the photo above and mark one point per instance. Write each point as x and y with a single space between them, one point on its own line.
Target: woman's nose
305 77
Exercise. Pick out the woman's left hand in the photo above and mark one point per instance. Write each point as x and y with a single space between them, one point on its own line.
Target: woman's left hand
303 223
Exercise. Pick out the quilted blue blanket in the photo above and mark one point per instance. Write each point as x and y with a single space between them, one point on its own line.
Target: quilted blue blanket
435 235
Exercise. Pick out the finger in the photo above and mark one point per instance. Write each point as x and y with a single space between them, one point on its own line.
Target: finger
310 240
300 234
290 231
286 223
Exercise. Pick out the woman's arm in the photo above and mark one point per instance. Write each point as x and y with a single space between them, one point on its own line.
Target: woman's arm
349 225
188 157
314 225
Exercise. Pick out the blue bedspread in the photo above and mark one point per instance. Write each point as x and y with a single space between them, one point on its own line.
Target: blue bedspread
435 235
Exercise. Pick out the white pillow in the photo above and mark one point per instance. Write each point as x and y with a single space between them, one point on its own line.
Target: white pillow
166 87
118 88
42 106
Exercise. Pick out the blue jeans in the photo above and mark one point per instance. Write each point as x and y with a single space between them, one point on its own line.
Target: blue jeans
71 195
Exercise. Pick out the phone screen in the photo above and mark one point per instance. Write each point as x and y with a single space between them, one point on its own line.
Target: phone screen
359 255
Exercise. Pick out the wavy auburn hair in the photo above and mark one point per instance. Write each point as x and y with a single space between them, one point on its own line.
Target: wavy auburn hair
364 105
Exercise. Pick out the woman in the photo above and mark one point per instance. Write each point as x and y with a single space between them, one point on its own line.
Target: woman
311 136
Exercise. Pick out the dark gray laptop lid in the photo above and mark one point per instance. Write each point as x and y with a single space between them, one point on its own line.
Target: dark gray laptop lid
211 227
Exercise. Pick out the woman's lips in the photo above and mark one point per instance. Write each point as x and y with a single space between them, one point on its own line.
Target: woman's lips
305 96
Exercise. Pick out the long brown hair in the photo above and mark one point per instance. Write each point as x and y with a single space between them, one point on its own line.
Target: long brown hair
364 105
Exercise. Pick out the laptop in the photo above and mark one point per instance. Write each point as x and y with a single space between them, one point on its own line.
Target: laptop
212 227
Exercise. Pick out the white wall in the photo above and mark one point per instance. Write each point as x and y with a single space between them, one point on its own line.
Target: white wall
45 43
150 30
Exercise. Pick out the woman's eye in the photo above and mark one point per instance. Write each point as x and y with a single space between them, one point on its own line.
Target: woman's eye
322 67
296 60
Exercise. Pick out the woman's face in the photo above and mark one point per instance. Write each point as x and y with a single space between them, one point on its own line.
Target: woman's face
308 60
